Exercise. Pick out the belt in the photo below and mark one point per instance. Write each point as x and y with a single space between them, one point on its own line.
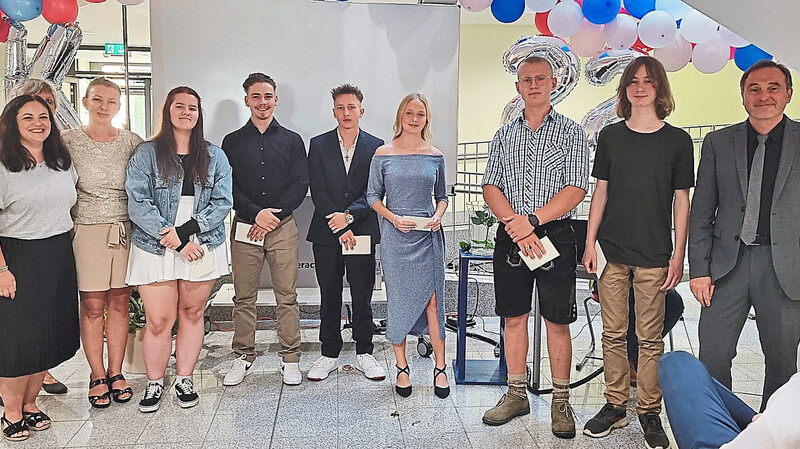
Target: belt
116 234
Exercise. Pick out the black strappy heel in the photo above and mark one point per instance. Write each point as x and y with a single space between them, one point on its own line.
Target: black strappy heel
105 396
35 418
403 391
441 392
13 428
117 392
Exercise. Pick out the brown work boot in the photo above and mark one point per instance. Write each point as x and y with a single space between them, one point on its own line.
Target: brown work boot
632 370
509 407
563 419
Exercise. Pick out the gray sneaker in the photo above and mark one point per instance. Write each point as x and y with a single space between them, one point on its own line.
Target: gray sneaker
654 435
507 409
609 417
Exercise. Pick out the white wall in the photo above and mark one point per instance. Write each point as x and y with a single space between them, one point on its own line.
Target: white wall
308 48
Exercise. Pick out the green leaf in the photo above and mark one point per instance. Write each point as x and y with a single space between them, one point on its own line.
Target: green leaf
477 221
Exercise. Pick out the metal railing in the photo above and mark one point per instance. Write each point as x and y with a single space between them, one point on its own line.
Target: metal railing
472 157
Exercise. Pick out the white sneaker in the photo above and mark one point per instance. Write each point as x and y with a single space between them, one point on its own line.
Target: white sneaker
240 368
291 373
322 367
367 364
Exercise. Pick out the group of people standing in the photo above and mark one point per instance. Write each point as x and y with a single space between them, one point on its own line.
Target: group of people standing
91 212
743 246
96 210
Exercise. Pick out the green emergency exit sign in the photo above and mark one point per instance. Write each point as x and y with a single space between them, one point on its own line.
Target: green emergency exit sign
115 49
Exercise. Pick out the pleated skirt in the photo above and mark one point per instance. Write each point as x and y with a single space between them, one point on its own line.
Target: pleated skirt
39 328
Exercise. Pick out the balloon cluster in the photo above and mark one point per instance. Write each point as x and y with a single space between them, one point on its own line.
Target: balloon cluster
674 32
14 12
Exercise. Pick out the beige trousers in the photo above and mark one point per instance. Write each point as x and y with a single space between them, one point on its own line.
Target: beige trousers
280 251
613 289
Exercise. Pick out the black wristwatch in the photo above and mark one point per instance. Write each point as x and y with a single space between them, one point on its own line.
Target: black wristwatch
348 217
534 220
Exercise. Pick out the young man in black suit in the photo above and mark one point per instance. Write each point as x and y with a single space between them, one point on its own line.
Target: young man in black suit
339 163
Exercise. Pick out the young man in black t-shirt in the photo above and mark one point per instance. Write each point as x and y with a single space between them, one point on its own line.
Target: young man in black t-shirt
644 169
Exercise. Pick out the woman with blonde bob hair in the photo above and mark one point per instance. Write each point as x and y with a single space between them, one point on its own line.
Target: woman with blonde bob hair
409 173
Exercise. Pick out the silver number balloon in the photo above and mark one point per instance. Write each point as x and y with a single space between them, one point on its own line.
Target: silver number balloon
607 64
53 58
16 67
596 119
566 65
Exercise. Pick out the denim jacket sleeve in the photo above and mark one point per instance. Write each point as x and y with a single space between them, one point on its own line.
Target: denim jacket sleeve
139 183
219 205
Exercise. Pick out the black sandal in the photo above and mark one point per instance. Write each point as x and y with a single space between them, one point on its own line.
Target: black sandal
403 391
441 392
117 392
35 418
13 428
105 396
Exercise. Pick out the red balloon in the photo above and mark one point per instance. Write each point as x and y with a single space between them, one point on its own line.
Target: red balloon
541 23
5 27
639 45
60 11
95 1
733 50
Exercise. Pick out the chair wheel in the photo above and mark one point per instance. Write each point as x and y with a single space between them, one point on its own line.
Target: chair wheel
424 347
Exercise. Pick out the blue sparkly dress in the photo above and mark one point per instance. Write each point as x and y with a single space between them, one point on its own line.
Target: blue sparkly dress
413 262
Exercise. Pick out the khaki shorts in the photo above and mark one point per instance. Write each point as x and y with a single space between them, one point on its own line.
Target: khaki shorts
101 255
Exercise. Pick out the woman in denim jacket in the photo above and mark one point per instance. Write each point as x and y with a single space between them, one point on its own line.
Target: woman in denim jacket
179 194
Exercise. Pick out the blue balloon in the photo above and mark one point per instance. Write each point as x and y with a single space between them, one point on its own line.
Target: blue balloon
600 12
21 10
746 56
508 11
638 8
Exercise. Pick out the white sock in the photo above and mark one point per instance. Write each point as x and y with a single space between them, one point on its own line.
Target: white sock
157 381
179 379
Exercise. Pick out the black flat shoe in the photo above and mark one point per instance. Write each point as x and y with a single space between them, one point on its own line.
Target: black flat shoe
56 388
105 396
441 392
117 392
403 391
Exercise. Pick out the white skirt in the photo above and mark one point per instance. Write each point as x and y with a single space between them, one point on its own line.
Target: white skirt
146 268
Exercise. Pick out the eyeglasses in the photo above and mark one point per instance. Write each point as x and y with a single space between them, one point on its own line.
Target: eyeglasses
539 79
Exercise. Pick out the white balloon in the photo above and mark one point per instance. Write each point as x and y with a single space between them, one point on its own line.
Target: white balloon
698 27
621 33
475 5
711 56
565 19
657 29
676 55
588 40
731 38
675 8
539 5
131 2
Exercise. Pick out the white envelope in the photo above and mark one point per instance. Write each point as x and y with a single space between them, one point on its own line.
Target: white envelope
363 246
601 259
550 253
419 222
241 234
204 266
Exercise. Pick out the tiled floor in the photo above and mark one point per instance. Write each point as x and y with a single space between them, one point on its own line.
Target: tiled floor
347 410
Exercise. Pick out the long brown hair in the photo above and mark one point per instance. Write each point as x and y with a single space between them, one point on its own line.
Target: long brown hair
166 147
15 156
664 103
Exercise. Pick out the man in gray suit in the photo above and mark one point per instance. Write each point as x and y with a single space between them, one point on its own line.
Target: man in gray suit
744 231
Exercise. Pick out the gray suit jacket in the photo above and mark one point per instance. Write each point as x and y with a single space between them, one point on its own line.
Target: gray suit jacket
719 201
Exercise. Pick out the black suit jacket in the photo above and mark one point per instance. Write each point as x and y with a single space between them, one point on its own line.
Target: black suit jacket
334 190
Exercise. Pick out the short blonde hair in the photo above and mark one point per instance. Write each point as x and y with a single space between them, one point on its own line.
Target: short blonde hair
102 81
33 86
427 134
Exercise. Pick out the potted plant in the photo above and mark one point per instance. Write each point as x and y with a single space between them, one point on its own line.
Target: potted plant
483 225
134 359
